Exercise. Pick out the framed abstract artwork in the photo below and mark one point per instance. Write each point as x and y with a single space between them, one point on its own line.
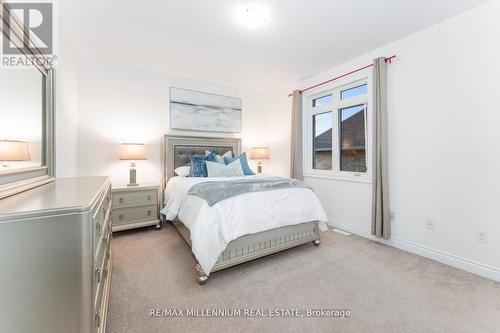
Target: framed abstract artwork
201 111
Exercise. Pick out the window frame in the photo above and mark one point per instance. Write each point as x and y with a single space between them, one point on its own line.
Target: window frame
335 89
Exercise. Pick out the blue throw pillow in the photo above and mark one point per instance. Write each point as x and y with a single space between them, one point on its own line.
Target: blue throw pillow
199 165
244 163
220 158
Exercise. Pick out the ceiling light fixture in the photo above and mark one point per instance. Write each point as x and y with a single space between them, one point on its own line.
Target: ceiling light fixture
253 16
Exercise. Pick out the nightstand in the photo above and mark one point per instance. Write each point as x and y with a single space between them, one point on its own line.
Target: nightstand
135 206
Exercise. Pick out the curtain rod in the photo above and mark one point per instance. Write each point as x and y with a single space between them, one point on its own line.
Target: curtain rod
387 59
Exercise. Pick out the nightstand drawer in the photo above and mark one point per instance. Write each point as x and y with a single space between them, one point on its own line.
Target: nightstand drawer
135 214
132 198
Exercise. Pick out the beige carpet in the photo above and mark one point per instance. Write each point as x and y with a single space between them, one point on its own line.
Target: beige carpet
386 290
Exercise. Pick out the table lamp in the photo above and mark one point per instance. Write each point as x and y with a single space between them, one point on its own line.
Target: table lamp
259 153
132 152
11 150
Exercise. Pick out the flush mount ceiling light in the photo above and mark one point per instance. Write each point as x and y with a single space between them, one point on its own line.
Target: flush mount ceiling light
253 16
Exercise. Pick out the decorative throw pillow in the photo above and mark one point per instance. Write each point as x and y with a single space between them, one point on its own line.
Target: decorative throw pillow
220 158
199 165
244 163
233 169
183 171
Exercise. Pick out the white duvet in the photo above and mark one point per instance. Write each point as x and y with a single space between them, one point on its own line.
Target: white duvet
212 228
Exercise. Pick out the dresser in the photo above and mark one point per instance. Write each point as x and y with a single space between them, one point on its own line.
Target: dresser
55 257
135 206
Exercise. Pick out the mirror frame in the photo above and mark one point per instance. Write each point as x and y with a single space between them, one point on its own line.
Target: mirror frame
19 180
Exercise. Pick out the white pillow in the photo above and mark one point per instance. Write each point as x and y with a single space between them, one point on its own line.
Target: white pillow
183 171
219 158
233 169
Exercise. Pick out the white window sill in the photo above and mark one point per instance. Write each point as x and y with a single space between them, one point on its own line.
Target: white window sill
348 178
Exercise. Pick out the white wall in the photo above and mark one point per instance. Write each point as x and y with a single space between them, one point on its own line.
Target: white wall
66 106
444 129
119 104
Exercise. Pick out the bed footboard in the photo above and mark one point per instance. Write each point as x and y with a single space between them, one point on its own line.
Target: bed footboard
250 247
254 246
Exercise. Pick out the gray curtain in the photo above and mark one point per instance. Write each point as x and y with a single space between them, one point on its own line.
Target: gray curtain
296 161
381 225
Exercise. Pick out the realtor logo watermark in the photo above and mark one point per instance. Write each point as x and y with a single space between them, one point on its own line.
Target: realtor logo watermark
250 312
35 22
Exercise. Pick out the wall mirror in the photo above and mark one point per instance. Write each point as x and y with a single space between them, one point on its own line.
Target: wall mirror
26 116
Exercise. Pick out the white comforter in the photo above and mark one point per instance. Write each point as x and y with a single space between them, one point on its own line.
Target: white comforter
212 228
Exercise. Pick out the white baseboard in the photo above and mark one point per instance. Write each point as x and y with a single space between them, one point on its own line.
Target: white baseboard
467 265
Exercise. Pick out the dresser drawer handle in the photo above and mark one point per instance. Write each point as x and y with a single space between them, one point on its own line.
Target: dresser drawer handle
98 275
149 213
120 216
120 200
149 197
97 318
98 227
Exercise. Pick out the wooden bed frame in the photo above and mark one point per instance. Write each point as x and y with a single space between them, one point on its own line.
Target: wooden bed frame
177 151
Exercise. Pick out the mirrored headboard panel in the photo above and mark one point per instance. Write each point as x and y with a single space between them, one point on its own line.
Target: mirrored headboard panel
27 156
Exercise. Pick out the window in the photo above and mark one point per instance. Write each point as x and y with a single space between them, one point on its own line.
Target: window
324 100
322 141
352 139
353 92
337 131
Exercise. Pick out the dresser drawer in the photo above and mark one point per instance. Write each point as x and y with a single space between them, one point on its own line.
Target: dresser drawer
102 207
132 198
102 248
100 276
101 288
99 212
135 214
101 223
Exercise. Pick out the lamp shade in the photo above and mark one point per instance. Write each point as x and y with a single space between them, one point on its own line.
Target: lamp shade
132 151
259 153
14 151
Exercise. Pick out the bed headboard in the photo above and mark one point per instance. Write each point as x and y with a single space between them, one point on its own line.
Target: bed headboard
177 151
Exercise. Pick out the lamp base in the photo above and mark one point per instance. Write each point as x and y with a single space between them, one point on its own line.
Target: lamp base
133 176
259 167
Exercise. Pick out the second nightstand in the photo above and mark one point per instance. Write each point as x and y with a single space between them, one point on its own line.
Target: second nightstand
135 207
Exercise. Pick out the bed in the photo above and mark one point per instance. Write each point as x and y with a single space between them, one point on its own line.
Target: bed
240 236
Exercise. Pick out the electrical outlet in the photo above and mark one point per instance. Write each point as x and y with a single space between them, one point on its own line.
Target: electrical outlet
430 224
482 236
392 216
